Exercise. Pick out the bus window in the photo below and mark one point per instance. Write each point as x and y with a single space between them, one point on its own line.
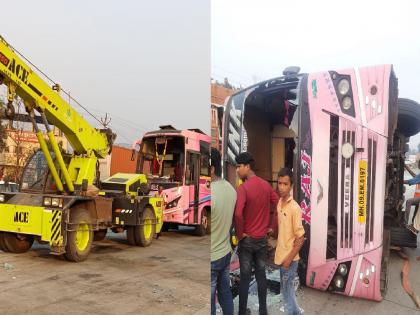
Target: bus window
162 157
204 158
192 169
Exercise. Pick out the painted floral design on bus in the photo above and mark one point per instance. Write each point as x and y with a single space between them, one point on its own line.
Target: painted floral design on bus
305 185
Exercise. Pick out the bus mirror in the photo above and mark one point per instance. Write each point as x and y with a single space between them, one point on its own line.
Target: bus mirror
293 70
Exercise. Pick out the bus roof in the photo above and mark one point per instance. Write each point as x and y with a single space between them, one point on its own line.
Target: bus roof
187 133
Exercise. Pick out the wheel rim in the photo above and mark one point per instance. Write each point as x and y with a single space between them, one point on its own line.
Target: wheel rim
147 228
204 221
82 236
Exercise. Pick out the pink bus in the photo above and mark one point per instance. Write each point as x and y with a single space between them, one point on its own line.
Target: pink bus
177 165
339 132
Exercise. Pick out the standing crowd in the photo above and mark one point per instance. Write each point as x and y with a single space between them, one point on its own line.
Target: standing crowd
248 210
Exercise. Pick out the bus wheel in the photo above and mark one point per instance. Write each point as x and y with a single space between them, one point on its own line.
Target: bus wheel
165 227
145 232
208 229
130 236
80 236
385 262
17 243
99 235
202 228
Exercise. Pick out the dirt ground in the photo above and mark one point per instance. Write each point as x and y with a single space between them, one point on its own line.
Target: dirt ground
172 276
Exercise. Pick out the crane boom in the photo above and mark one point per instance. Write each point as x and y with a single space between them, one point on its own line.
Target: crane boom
88 143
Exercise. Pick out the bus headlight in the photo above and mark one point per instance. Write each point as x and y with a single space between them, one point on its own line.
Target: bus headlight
343 86
173 203
47 201
347 102
342 269
2 198
339 282
347 150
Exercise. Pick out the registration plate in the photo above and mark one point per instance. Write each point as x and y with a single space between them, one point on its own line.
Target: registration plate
361 196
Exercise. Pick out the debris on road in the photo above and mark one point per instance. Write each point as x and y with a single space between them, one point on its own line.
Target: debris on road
405 278
7 266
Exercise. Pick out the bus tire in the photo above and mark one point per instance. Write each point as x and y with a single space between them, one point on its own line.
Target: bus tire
80 238
402 237
130 236
146 231
201 229
17 243
408 117
165 227
208 229
99 235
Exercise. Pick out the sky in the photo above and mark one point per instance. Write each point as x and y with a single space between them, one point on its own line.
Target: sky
255 40
145 63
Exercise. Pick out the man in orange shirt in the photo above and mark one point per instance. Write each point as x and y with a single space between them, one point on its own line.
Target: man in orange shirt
415 227
290 240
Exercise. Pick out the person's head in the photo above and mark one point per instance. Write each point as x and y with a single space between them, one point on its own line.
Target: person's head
215 163
285 182
160 189
245 165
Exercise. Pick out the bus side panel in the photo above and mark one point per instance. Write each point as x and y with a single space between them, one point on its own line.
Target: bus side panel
319 182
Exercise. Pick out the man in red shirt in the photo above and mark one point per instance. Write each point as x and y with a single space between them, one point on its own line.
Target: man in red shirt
252 223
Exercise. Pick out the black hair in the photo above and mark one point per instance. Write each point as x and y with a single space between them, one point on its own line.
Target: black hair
246 158
216 161
285 171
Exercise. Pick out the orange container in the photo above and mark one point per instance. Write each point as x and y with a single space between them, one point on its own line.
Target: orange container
121 161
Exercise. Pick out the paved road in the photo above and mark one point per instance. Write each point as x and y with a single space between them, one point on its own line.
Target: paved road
169 277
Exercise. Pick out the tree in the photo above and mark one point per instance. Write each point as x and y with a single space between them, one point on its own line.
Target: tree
16 133
3 135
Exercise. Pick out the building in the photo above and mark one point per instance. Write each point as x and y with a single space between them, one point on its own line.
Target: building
219 94
216 125
19 146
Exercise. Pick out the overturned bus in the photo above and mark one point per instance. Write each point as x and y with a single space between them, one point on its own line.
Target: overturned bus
344 134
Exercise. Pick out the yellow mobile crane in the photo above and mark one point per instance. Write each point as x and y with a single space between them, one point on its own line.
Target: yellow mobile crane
55 205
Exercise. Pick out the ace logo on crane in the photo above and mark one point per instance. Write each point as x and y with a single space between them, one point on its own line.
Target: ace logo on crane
21 217
15 68
19 70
